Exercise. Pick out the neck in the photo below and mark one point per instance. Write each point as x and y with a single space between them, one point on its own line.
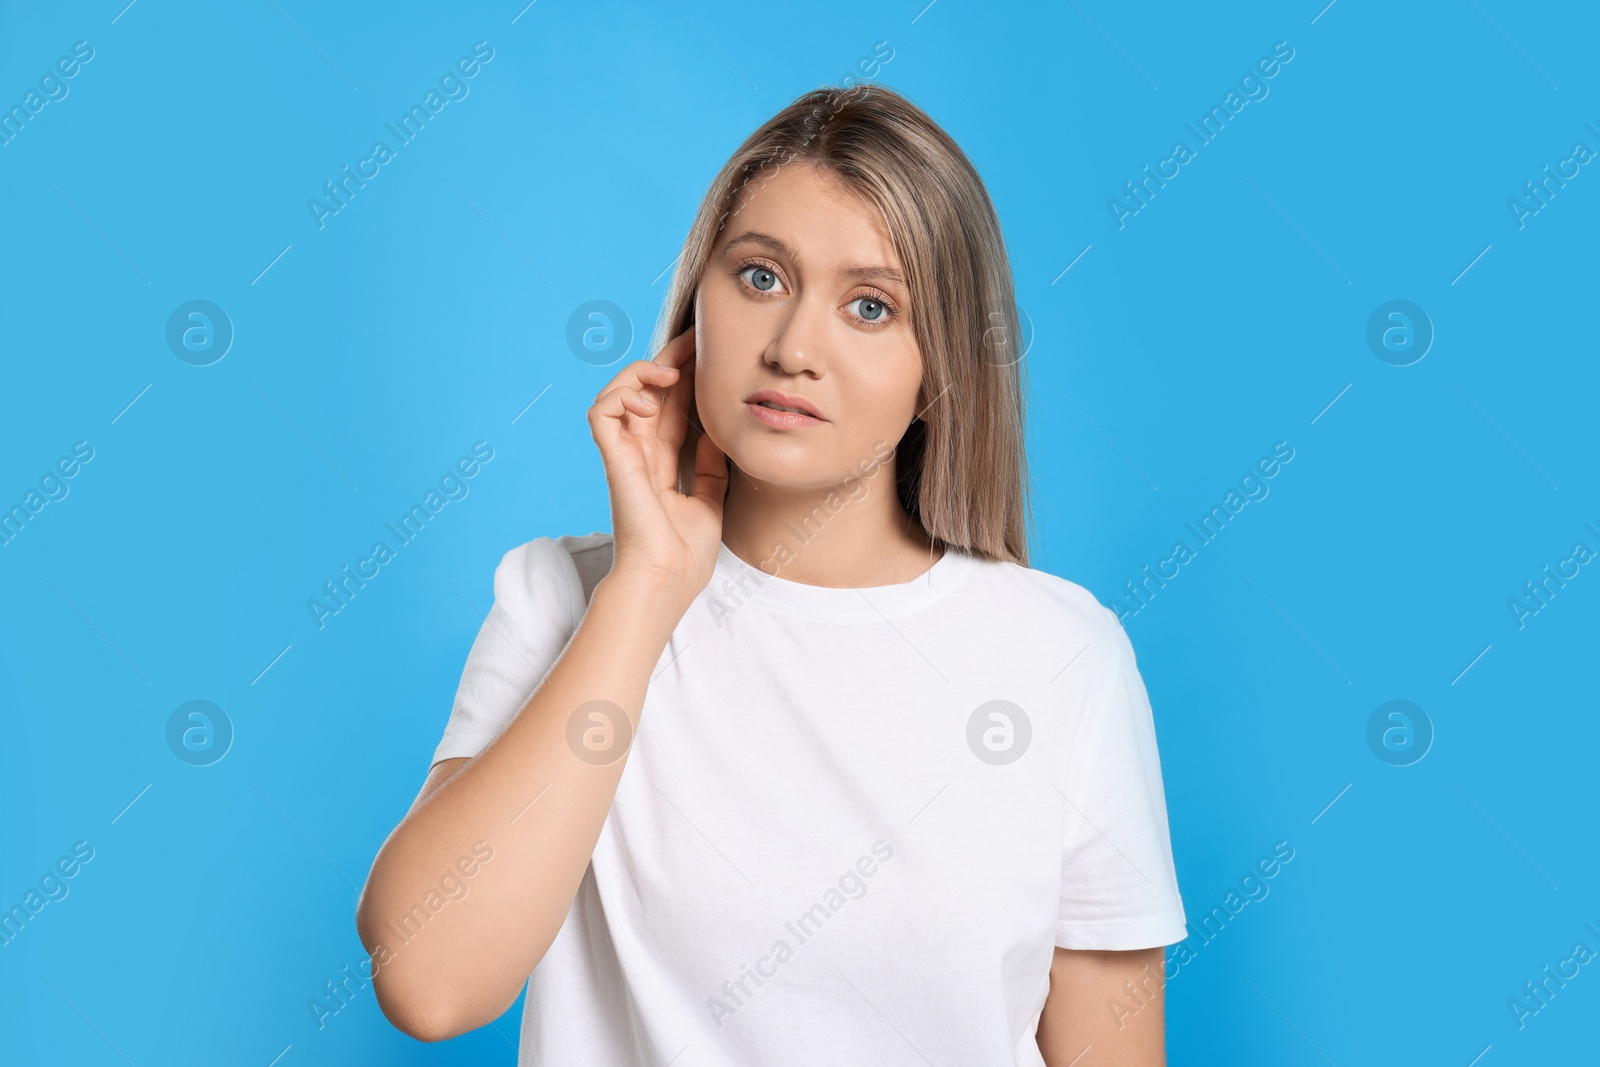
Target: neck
855 533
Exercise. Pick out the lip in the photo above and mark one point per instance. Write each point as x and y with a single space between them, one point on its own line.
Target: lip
783 418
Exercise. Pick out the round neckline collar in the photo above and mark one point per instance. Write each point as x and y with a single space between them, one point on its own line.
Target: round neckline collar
745 582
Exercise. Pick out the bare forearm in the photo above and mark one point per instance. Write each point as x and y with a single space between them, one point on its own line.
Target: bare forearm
1105 1009
533 799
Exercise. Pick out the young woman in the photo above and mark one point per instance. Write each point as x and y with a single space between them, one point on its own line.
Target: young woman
801 763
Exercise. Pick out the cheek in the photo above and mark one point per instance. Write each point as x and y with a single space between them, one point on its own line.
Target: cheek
894 382
728 343
717 334
733 323
880 399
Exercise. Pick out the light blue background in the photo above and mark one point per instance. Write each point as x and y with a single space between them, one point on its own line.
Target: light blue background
1225 316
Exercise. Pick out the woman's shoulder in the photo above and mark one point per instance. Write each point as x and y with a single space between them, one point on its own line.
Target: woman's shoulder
591 557
554 569
1049 598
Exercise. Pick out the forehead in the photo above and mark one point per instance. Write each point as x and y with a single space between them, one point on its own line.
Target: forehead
815 214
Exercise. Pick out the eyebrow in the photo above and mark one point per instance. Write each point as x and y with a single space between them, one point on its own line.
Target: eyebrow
778 247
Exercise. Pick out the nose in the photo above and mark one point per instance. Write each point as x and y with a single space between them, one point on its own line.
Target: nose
800 344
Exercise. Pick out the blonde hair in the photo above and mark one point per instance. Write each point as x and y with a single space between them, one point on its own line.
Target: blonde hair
960 467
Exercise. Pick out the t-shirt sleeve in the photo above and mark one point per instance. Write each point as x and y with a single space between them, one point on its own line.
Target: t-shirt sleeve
1119 889
538 603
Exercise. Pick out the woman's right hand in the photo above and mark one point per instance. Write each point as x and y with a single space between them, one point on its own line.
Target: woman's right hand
639 420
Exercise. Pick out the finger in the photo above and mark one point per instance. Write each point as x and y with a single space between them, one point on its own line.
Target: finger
640 372
643 403
710 474
626 400
678 398
672 370
676 351
659 373
609 422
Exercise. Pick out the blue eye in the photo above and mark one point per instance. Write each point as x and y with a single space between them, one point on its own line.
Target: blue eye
873 308
761 278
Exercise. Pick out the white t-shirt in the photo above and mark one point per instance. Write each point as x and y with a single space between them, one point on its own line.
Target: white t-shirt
853 824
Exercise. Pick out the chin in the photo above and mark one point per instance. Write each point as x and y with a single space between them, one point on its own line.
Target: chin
777 461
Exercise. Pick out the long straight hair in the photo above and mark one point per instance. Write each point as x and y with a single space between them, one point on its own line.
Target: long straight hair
960 466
